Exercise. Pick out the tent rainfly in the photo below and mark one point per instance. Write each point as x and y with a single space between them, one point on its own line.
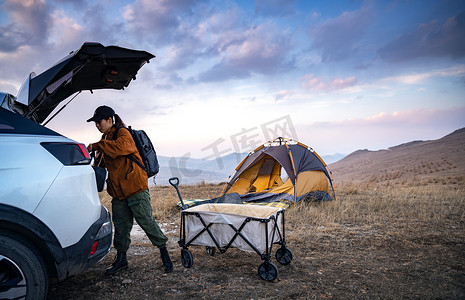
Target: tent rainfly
258 177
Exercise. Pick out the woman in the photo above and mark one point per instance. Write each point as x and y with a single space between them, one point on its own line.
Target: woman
127 183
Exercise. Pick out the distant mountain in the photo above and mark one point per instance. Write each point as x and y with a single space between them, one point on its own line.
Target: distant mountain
329 159
194 171
436 161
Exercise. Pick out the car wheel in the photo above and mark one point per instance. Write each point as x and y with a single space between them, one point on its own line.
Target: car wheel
22 272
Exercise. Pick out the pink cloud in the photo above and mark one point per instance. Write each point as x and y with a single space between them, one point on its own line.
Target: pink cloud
380 131
309 81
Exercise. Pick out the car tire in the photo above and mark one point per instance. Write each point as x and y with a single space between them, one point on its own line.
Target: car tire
22 271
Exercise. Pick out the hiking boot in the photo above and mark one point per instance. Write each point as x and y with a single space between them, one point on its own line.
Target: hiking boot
119 264
165 258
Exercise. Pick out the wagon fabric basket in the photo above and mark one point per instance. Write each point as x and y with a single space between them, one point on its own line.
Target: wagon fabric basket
251 228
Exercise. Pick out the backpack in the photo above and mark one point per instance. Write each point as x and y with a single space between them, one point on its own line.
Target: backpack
147 152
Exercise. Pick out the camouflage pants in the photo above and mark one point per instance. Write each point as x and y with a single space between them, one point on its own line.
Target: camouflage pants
136 207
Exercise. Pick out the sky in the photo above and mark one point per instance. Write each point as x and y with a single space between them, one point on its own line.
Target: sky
337 76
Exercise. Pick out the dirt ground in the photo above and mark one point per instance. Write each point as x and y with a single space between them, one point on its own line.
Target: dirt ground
351 263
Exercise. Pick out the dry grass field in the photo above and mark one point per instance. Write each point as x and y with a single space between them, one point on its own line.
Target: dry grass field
373 242
388 237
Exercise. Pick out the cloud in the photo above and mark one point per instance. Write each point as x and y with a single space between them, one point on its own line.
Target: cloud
283 95
99 28
309 81
66 33
165 80
223 72
454 118
218 41
260 49
30 23
322 84
77 4
411 121
158 21
382 130
37 36
178 56
274 8
454 71
185 33
11 38
337 37
7 87
428 40
17 65
223 45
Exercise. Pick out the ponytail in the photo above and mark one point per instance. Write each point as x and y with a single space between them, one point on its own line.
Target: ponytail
119 122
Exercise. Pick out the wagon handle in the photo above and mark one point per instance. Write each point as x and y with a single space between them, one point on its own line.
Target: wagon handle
174 181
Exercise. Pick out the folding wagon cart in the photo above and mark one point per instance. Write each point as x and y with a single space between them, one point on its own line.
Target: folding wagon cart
251 228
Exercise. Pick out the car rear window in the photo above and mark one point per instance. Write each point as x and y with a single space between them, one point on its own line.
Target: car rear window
14 123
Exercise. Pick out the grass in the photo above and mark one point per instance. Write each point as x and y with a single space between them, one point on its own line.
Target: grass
423 208
410 212
375 241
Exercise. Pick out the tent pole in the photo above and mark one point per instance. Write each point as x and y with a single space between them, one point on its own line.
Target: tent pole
225 186
293 167
295 200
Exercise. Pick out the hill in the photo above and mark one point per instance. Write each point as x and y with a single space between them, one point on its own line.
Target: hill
416 162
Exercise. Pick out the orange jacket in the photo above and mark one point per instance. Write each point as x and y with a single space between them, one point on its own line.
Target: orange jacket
125 177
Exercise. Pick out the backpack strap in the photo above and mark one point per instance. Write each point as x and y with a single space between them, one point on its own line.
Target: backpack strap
130 156
115 134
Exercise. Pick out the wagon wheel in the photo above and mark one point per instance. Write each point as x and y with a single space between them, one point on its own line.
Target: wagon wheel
284 255
187 259
268 271
211 250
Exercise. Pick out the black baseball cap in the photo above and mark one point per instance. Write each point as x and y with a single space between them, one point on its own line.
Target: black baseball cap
102 112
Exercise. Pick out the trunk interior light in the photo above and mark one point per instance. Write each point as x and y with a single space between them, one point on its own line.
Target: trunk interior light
111 75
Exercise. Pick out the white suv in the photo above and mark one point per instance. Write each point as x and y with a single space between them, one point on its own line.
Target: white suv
52 224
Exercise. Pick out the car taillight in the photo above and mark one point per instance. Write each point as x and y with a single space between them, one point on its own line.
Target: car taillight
68 153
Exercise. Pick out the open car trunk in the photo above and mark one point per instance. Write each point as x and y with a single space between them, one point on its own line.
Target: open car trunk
92 67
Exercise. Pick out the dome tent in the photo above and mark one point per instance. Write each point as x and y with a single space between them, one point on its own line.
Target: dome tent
258 178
